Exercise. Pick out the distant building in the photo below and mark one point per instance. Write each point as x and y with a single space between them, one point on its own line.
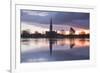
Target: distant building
51 25
72 31
51 33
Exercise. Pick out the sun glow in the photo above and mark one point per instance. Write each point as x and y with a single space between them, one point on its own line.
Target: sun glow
33 28
77 32
81 32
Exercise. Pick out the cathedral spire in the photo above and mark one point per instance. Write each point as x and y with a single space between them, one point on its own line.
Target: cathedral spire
51 24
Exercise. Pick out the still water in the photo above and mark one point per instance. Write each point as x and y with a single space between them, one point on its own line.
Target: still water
42 50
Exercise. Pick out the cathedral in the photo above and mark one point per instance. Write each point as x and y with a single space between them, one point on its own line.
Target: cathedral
51 33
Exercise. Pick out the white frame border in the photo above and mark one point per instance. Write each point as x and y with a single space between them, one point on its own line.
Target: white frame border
14 63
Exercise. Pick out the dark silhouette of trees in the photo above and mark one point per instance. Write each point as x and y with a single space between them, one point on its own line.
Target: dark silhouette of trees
25 34
36 34
53 34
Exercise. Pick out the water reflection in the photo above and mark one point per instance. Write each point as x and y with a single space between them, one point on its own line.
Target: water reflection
72 43
50 45
54 49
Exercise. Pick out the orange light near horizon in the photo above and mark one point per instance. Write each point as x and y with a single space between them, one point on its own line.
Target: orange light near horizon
82 32
64 33
82 42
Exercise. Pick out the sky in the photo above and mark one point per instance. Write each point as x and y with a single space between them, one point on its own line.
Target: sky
40 20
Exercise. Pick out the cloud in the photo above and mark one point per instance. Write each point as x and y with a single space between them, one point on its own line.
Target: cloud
75 19
34 16
35 13
68 17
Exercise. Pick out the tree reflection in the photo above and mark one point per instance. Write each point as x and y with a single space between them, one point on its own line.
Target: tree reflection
60 43
72 43
54 41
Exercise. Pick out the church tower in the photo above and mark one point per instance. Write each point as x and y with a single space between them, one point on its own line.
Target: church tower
51 25
51 33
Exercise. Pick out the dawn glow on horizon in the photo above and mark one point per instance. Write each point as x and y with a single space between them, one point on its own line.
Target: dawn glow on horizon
40 20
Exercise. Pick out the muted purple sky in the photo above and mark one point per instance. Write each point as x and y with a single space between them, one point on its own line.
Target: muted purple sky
75 19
